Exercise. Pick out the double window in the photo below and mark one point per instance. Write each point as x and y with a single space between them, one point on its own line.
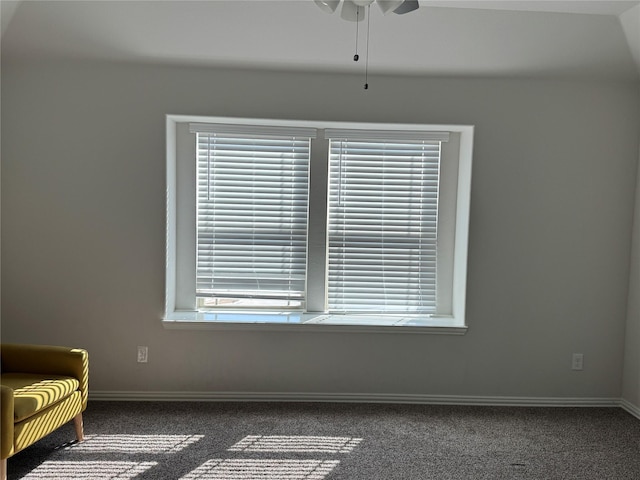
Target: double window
318 223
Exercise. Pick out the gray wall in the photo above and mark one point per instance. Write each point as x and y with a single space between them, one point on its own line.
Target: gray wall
631 385
83 195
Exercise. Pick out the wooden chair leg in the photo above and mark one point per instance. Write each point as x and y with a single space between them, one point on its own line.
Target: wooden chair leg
77 422
3 469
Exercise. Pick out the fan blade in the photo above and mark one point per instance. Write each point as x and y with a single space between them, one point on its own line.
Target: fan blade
328 6
389 5
352 12
407 6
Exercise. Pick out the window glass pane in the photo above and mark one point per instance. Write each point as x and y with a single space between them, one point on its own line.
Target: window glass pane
252 202
383 218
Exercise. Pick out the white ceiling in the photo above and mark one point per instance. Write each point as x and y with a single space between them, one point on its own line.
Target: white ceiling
599 39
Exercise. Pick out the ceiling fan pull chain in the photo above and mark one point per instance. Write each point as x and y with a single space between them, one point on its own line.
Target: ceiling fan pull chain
366 60
356 57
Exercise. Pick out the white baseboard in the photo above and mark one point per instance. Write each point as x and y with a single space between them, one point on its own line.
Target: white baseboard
361 398
630 407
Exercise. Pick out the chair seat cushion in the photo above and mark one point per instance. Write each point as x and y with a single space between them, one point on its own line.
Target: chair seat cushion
35 392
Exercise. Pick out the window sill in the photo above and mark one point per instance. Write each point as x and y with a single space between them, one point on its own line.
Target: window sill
311 322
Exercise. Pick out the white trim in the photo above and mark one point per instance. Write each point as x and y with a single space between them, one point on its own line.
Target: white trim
630 408
171 216
224 128
187 324
358 398
368 134
461 240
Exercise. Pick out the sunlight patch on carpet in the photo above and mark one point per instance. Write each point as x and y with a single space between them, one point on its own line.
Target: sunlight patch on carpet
85 470
282 443
135 443
237 469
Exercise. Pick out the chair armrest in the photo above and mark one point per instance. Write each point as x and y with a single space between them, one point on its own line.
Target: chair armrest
47 359
6 421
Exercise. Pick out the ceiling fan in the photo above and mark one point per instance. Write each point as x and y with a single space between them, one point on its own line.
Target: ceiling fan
353 10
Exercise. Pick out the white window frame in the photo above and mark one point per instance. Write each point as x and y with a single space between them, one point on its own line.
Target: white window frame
180 303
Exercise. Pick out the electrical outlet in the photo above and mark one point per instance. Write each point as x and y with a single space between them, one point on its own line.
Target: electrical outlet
577 361
143 354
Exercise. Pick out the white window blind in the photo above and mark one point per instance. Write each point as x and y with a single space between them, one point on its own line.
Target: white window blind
252 202
383 218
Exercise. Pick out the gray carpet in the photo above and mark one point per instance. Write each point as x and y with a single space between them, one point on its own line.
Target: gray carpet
306 441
